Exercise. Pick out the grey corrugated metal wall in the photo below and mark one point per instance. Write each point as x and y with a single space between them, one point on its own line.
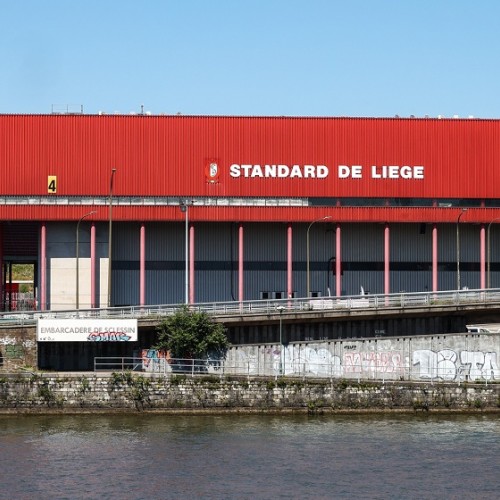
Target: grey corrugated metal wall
265 254
216 262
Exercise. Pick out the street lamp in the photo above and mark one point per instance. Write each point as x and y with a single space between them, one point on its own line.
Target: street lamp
458 247
326 217
185 208
489 251
78 260
113 171
281 309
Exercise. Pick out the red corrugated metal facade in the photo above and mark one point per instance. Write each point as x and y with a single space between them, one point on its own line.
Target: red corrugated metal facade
170 156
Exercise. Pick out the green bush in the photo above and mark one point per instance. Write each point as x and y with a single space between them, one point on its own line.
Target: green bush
191 335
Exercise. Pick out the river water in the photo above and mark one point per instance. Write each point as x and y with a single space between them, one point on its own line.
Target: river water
250 457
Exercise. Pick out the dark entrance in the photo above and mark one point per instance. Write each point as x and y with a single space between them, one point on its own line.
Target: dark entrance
20 251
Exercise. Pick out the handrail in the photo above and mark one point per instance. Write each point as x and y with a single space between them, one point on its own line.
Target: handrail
277 366
395 301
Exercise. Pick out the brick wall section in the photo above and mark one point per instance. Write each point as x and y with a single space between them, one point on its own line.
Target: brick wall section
129 392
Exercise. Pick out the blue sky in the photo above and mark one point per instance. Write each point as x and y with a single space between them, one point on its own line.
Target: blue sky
252 57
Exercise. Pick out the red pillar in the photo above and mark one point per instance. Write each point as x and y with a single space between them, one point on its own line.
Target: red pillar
2 288
43 267
92 266
434 258
338 261
289 282
387 256
142 266
482 244
240 263
191 264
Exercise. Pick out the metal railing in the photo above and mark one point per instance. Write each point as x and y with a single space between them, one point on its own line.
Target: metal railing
398 301
275 367
19 301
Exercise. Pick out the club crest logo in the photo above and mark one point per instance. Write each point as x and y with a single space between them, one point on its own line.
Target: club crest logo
212 171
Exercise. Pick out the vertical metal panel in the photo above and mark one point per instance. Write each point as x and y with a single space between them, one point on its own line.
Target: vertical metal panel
215 286
447 243
494 232
165 287
411 243
216 241
216 251
469 242
34 212
61 240
411 281
264 281
167 155
126 241
265 254
371 281
321 241
165 241
363 242
125 288
265 242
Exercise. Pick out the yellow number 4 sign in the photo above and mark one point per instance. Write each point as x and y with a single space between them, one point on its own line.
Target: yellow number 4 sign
52 184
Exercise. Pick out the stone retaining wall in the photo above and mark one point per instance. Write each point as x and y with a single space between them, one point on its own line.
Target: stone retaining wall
18 348
130 392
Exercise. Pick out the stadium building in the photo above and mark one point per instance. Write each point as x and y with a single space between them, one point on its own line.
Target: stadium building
213 208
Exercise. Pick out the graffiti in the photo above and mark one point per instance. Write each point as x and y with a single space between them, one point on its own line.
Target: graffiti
108 337
154 360
8 340
303 360
447 365
14 351
373 362
27 344
481 365
159 361
215 360
300 360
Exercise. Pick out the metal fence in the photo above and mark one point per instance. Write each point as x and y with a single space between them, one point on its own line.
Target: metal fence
19 301
399 301
279 368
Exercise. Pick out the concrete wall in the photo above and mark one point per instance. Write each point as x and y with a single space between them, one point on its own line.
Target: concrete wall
446 358
63 280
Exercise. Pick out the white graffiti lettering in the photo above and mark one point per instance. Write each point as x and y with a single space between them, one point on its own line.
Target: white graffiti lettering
446 365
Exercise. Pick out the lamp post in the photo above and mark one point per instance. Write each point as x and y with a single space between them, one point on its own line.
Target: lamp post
78 260
488 285
185 208
326 217
113 171
458 247
281 309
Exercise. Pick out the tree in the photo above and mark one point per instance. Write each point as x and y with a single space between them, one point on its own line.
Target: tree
191 335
